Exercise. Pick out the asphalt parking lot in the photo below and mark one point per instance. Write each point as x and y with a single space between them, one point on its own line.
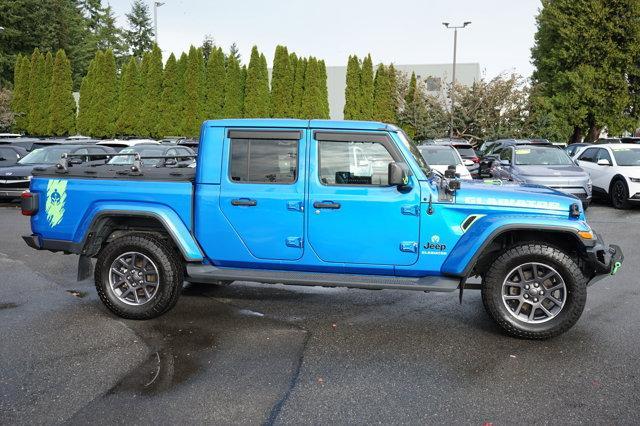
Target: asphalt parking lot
263 354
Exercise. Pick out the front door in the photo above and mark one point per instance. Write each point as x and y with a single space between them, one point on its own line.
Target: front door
354 216
262 193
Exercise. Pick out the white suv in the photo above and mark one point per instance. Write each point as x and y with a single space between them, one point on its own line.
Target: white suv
614 171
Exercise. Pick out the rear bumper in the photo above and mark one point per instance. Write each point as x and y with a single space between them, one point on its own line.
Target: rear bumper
604 260
36 242
13 193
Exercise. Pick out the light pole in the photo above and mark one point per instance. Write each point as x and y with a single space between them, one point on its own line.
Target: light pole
453 77
156 5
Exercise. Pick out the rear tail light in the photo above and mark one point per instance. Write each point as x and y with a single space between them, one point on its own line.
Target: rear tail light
29 203
475 159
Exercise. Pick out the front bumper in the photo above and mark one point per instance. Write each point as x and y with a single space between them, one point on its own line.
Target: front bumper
11 193
603 260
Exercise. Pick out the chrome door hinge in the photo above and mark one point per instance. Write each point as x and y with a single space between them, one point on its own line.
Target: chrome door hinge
295 242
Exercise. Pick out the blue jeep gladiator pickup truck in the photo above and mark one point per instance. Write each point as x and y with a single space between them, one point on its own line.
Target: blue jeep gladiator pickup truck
322 203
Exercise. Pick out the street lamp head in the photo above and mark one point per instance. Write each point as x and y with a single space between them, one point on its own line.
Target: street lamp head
446 24
466 23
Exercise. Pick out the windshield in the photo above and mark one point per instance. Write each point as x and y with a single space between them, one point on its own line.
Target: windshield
44 155
541 156
413 149
437 156
146 151
626 156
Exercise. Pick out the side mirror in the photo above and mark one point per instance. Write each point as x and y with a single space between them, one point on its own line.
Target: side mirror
505 162
450 173
467 163
397 175
603 162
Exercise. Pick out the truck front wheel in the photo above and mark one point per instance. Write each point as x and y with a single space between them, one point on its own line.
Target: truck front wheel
138 276
534 291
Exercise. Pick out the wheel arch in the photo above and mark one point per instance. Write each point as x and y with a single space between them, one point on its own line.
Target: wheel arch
615 178
109 224
505 236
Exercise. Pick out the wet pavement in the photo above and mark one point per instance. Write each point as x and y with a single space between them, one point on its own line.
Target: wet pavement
272 354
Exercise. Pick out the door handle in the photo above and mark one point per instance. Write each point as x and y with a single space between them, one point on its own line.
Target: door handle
326 205
244 202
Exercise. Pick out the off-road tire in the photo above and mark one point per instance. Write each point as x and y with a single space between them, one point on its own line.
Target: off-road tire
170 270
619 202
566 265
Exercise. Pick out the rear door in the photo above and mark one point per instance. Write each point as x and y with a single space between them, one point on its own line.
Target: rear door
354 216
262 190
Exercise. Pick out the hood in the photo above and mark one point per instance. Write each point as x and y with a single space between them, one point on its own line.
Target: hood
513 195
19 169
567 171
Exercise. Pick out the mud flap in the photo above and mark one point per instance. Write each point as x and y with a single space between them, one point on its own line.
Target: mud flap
463 281
85 267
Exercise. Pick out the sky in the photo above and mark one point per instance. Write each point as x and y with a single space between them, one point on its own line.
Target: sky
500 36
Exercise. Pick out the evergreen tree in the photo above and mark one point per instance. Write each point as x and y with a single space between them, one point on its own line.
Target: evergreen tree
170 103
310 106
256 95
105 103
20 100
140 33
293 65
110 36
48 72
383 106
324 91
298 88
37 94
208 46
194 99
352 90
281 83
366 89
129 100
235 52
85 117
233 90
152 90
214 92
411 106
62 119
410 96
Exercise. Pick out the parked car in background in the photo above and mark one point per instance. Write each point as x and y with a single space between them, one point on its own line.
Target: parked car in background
14 180
544 165
181 154
171 140
573 149
630 139
120 144
602 141
26 143
466 151
615 172
10 135
190 143
491 152
440 157
9 154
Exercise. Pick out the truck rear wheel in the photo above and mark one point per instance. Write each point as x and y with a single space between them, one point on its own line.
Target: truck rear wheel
138 276
534 291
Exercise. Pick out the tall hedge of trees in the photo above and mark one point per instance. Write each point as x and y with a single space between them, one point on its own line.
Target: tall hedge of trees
369 95
145 98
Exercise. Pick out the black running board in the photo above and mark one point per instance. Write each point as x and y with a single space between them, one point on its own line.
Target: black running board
208 273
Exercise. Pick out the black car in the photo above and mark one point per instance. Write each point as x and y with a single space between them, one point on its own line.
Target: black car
191 143
490 152
14 180
9 154
466 151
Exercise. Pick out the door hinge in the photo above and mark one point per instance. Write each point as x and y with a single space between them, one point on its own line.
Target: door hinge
409 246
413 210
295 242
295 206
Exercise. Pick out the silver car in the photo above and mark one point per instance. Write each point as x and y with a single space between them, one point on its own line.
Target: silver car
543 165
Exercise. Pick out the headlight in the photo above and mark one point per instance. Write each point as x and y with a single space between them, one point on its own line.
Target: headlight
636 180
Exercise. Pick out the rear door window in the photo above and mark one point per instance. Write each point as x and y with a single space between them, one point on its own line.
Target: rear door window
263 161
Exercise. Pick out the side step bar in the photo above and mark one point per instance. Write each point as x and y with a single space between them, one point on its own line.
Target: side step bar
208 273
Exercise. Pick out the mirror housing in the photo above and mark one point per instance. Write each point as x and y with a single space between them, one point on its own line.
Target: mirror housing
450 173
603 162
467 162
397 175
